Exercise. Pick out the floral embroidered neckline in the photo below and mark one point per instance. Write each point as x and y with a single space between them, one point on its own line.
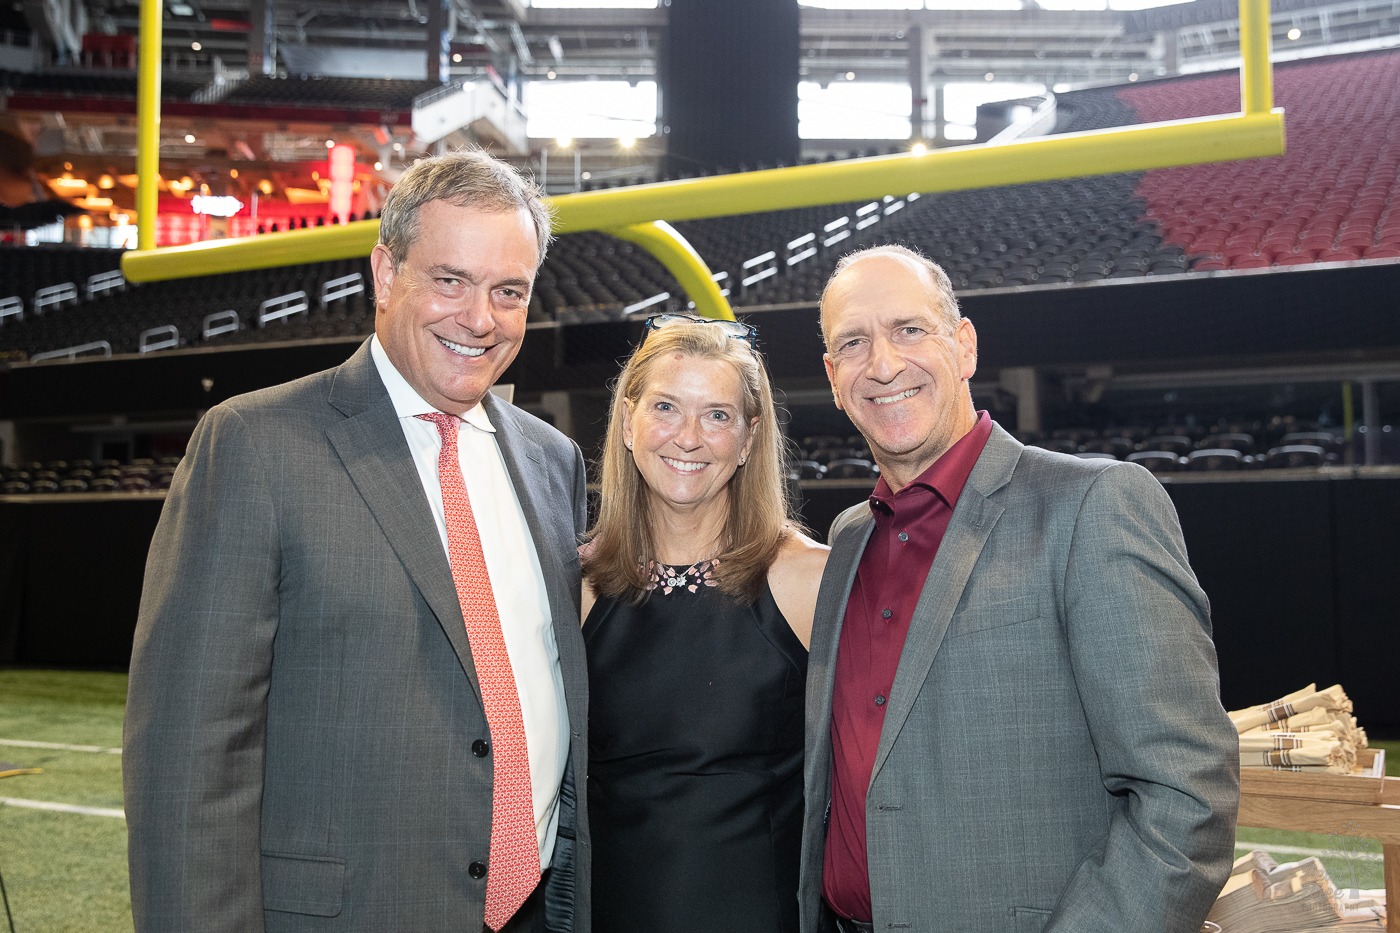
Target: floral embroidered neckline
666 577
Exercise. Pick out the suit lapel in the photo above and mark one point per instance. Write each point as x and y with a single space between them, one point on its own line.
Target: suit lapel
847 545
525 466
974 517
371 444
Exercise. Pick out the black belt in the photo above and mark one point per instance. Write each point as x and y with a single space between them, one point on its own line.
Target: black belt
842 925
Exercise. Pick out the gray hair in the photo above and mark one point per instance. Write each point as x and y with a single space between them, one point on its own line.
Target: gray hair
945 302
466 178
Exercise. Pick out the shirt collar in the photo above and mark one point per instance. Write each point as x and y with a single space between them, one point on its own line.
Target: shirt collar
946 476
406 400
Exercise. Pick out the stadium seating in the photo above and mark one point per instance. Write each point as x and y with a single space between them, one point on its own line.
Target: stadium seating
1329 199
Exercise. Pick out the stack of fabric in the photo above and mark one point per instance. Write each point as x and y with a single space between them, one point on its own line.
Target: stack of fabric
1310 730
1262 896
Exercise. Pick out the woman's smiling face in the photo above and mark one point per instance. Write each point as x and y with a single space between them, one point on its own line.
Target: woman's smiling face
687 431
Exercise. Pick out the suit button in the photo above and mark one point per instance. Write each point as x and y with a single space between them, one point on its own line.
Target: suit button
477 869
879 699
480 748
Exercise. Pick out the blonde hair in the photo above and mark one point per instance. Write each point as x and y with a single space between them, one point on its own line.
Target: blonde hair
621 543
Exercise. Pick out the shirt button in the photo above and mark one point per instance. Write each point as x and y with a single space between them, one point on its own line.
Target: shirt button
879 699
886 613
904 536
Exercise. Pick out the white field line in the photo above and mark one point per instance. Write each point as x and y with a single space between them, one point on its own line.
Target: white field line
60 747
1337 853
61 807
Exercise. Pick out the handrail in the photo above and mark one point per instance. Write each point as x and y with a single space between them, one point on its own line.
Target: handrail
52 296
71 352
11 307
220 322
283 306
164 337
104 282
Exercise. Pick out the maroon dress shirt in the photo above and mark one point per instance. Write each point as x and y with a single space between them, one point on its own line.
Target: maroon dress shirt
909 527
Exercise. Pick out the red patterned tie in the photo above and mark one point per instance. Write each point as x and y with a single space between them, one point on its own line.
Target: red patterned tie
514 862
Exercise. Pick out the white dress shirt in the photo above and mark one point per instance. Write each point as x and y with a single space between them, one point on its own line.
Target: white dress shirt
516 580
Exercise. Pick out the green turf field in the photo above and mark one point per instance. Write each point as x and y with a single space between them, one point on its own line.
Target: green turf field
65 872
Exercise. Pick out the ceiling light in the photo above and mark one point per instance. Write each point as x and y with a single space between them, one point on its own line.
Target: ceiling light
918 149
379 166
457 58
68 186
564 142
989 76
1295 34
106 182
189 137
850 76
551 75
196 46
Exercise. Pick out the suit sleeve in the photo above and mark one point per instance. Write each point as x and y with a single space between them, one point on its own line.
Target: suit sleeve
197 706
1139 634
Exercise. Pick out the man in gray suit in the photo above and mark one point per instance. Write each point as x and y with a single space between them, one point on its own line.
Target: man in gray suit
1013 715
306 743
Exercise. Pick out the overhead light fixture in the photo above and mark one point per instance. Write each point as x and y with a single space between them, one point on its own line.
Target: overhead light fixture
189 138
196 46
918 149
1295 34
106 182
68 186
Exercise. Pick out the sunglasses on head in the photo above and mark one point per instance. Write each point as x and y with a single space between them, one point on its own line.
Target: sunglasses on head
736 329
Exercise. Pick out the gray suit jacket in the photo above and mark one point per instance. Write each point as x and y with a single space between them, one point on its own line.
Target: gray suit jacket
1054 754
303 702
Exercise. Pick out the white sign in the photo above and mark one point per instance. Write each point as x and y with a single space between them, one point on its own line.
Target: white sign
215 206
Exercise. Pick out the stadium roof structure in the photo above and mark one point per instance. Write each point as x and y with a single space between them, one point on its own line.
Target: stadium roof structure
1033 43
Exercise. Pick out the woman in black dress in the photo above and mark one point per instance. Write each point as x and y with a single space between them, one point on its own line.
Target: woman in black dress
698 597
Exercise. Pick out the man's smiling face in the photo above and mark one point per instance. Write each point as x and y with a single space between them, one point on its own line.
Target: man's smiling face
451 316
898 365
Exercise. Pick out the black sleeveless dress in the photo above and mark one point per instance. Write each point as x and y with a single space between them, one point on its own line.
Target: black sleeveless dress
695 761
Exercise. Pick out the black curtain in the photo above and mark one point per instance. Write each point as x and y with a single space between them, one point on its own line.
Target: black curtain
728 84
